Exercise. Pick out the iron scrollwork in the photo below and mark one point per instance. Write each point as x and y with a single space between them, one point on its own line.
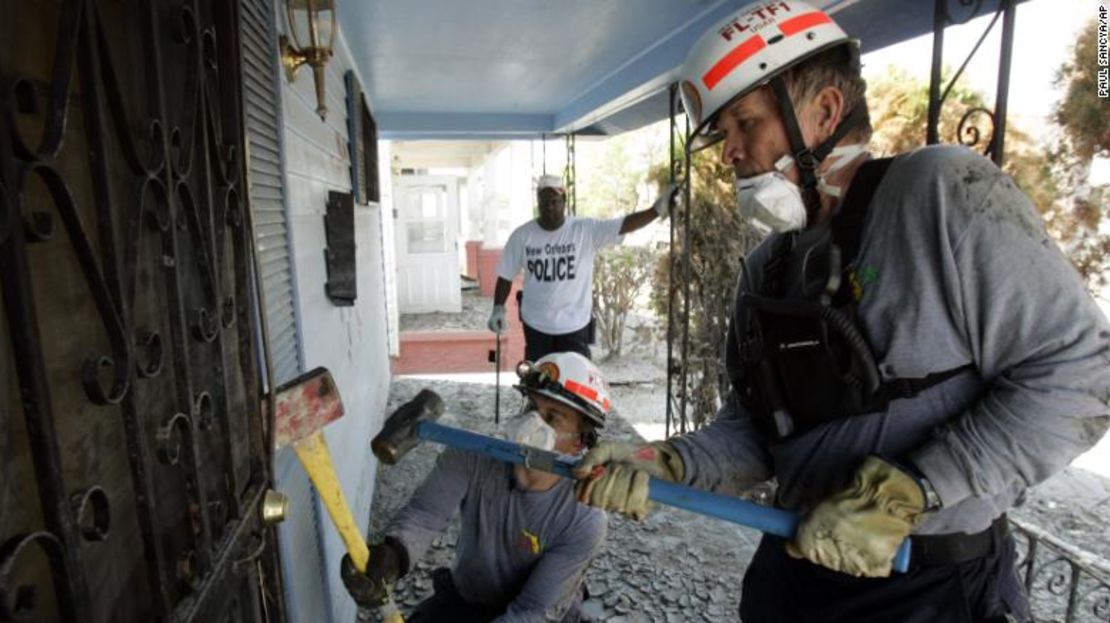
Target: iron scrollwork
119 362
174 435
967 132
19 604
93 513
1064 582
156 236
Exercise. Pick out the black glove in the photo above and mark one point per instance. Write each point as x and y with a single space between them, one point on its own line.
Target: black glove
388 561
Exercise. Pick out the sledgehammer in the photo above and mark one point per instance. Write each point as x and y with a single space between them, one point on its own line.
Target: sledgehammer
416 420
303 407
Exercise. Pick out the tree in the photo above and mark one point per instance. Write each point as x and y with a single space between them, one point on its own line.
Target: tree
1084 117
1084 120
1052 177
611 175
717 241
620 274
899 106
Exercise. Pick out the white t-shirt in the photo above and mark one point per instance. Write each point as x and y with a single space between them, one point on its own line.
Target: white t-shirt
558 270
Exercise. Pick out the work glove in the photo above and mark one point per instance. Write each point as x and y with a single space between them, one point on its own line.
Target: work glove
858 530
666 198
614 475
497 319
371 588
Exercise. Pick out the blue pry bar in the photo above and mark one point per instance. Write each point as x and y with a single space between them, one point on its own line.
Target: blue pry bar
774 521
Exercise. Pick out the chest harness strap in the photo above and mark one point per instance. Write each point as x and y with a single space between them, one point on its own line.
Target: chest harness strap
806 362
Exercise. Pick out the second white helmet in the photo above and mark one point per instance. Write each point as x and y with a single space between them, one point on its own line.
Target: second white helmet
571 379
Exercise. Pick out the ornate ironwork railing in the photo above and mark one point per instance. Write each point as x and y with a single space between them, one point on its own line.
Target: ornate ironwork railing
967 132
678 277
570 173
1064 582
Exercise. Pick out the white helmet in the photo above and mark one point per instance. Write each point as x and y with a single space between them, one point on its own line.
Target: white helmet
570 379
745 51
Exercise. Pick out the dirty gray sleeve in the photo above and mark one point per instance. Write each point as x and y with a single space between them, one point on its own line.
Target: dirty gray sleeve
728 456
432 505
1039 340
552 585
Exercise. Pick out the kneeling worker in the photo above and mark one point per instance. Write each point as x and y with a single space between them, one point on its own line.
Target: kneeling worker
524 542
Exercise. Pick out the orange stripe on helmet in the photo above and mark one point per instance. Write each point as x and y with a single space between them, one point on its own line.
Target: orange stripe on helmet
581 390
734 58
804 22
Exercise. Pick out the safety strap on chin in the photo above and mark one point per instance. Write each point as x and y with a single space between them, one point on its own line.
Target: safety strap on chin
809 159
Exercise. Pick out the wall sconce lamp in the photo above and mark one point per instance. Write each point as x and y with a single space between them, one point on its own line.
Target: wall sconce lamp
311 35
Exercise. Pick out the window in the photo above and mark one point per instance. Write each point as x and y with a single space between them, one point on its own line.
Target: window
362 132
369 151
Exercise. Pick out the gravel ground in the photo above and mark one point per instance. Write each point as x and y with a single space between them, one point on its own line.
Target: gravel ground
677 566
473 317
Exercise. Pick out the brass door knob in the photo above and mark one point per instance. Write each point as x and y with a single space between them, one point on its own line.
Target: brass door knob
275 505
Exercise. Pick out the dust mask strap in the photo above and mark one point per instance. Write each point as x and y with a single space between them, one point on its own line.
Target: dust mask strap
844 155
784 164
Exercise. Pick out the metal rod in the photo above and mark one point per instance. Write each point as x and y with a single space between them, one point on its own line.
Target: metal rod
932 132
18 297
1073 593
135 433
1005 56
571 175
685 278
497 382
176 290
971 55
211 236
670 272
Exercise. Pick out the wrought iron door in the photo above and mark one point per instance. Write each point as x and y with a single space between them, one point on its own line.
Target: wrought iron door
132 451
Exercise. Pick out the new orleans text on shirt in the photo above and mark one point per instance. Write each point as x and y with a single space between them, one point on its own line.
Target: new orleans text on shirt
551 262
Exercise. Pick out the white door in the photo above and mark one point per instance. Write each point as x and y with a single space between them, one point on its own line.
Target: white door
427 243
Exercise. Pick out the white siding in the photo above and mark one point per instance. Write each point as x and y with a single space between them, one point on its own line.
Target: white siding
349 341
389 247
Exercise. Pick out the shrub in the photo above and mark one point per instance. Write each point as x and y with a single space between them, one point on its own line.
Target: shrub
620 274
718 240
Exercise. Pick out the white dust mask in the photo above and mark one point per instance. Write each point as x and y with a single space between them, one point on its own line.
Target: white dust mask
774 202
529 429
771 200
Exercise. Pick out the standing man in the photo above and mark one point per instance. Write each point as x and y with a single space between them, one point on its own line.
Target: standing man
524 541
908 350
557 255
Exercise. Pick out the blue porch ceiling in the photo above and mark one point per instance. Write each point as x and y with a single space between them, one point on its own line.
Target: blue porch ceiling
482 69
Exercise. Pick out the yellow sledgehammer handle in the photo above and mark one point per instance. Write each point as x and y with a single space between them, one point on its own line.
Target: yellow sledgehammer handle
316 459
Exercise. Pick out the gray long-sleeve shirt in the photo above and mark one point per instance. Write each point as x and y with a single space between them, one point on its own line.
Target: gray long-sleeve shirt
956 269
527 549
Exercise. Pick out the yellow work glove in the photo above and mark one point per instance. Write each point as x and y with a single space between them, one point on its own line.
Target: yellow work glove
858 530
614 475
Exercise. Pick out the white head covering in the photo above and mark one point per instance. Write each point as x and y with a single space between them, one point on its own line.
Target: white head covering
550 181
